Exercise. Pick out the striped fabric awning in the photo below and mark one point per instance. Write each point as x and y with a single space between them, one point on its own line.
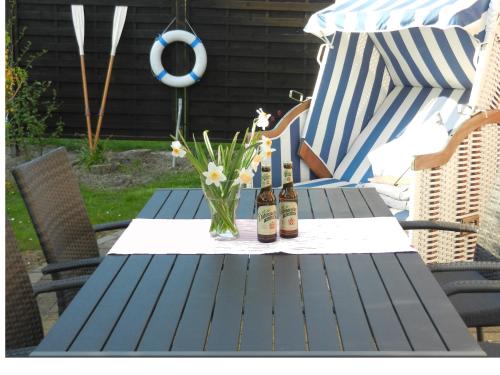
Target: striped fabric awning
390 15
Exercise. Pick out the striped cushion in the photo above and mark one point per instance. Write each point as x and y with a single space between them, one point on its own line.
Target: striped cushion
351 85
286 145
402 107
325 183
383 15
428 57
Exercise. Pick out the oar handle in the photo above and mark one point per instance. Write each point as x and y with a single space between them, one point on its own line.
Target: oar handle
103 101
86 100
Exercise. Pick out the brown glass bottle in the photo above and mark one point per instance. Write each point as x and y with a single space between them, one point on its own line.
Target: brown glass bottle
267 222
289 219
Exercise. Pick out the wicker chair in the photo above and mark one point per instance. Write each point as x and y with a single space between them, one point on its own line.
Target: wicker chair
51 194
473 287
23 326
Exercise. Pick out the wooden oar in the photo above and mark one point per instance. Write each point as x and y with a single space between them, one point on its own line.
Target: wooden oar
118 23
79 25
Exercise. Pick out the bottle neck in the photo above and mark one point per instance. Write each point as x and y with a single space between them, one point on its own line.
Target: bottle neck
266 180
287 179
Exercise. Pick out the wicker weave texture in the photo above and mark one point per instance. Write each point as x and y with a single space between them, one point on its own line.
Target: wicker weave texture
23 326
50 191
52 196
459 190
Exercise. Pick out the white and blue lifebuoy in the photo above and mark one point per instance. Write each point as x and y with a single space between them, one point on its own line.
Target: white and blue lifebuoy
162 74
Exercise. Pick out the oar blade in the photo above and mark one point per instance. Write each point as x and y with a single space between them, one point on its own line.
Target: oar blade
118 23
79 24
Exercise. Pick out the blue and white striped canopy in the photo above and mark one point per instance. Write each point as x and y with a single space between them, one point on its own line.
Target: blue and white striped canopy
391 15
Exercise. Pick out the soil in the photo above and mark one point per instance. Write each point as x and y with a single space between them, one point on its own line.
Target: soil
120 170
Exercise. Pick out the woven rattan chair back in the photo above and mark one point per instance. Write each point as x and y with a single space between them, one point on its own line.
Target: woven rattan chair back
52 196
50 190
23 326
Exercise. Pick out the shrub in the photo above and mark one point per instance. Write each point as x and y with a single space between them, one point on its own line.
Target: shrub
29 104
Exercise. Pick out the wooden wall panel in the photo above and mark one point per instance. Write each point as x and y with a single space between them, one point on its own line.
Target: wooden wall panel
257 52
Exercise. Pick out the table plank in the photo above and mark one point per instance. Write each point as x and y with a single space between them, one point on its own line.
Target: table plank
190 205
101 322
449 324
76 314
338 203
288 315
203 210
172 204
319 204
154 204
193 327
257 330
305 210
225 327
384 322
132 323
375 203
357 204
417 324
354 329
321 321
162 325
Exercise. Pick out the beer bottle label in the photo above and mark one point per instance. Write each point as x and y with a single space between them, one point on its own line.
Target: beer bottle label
287 176
288 217
266 179
267 220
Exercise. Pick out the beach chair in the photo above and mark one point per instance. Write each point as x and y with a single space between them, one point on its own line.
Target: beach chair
406 101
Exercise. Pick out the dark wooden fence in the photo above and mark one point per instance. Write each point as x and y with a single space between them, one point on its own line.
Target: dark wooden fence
256 50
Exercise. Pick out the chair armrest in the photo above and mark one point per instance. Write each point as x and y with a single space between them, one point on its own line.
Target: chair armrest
285 121
464 266
111 226
439 225
71 265
440 158
56 285
472 286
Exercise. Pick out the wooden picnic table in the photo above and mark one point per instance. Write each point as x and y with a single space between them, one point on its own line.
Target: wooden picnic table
261 305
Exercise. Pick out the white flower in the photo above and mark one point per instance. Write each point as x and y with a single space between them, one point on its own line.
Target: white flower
266 153
256 161
266 142
177 150
214 174
263 120
244 177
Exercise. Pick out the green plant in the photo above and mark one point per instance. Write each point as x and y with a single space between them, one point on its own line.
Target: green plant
92 156
30 104
224 170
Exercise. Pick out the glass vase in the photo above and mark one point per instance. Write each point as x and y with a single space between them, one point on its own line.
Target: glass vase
223 202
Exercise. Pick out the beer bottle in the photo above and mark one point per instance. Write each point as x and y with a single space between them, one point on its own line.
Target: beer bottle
289 225
267 225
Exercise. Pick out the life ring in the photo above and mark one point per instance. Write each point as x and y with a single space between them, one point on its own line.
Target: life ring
161 73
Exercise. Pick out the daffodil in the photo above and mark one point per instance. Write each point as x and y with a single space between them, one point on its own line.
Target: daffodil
266 153
177 150
262 121
256 161
266 142
245 177
214 174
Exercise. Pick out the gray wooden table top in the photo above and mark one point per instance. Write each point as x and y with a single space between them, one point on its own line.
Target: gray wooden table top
263 305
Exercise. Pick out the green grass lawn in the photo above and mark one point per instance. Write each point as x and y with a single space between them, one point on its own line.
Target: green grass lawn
102 205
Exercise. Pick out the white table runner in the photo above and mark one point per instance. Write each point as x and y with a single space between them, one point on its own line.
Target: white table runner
316 236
